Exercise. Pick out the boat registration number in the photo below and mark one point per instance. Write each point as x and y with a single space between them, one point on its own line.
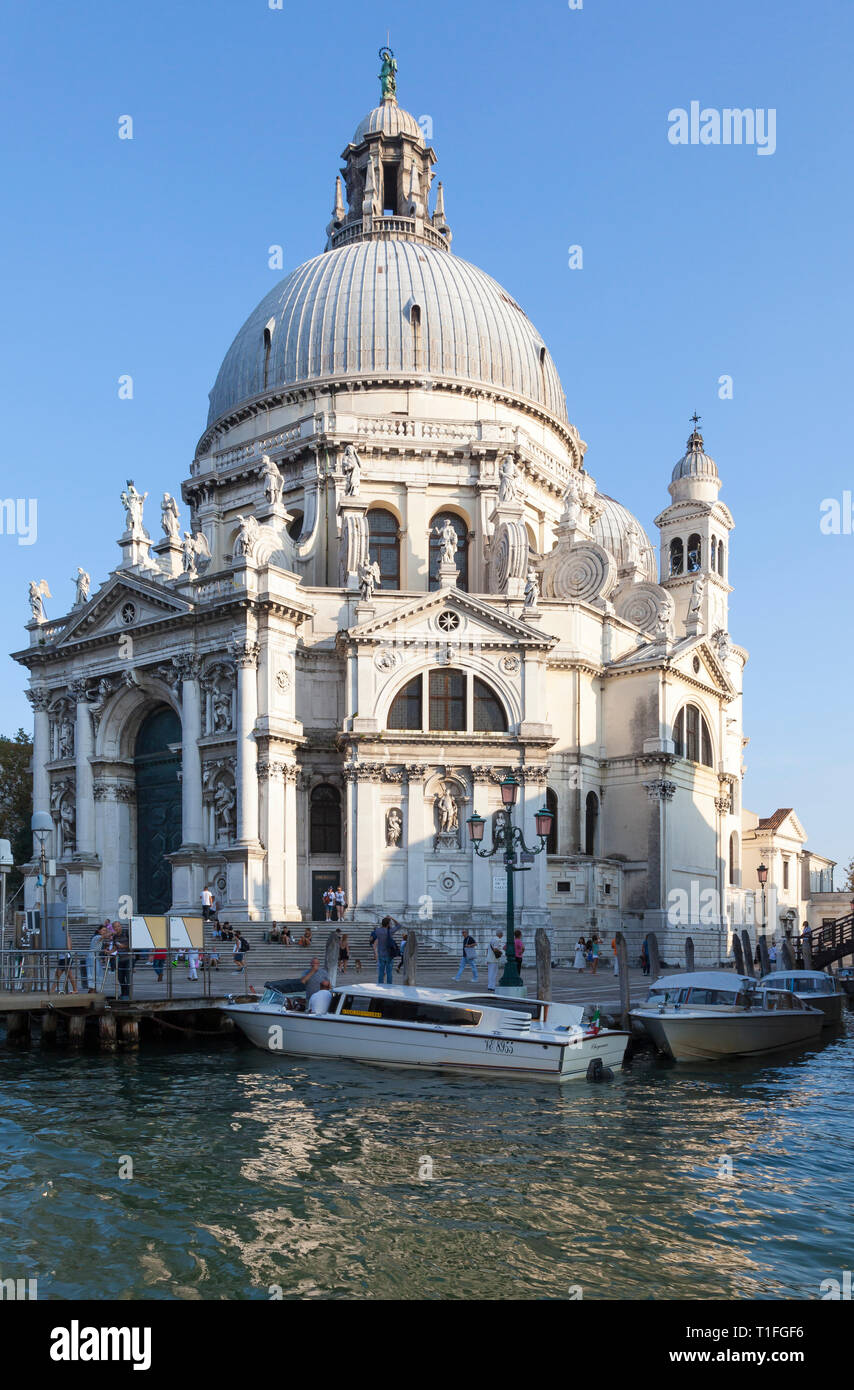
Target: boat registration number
498 1045
362 1013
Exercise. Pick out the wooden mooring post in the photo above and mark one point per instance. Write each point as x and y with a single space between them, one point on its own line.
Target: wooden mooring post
787 960
330 955
747 952
410 953
806 947
689 954
49 1021
764 958
543 953
129 1032
654 957
623 976
18 1028
737 953
76 1029
107 1032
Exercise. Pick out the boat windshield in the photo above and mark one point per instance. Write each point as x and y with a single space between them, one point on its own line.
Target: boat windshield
807 984
780 999
409 1011
531 1007
698 996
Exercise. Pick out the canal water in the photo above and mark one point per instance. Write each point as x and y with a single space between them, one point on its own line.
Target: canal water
227 1174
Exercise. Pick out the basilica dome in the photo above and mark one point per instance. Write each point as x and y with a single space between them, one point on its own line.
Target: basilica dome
610 529
389 119
394 308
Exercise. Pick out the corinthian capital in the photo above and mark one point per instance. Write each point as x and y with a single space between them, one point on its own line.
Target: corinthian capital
245 652
39 699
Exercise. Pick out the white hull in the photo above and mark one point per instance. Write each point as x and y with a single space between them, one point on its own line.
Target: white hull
431 1047
708 1037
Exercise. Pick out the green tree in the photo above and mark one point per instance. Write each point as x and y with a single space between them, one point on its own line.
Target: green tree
848 885
16 800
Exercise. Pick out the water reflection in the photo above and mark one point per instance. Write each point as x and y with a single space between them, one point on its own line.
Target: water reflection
252 1173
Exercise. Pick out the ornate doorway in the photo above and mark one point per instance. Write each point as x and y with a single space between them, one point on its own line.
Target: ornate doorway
158 808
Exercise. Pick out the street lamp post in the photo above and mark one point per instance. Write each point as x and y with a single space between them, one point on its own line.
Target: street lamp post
42 826
762 875
6 863
504 841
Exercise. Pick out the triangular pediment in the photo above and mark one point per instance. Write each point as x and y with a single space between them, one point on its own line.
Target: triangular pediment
125 602
697 660
425 619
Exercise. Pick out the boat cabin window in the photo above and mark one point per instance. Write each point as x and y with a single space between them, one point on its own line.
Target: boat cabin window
780 999
531 1007
409 1011
804 985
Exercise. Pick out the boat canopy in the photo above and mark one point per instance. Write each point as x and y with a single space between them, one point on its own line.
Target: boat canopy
725 980
800 982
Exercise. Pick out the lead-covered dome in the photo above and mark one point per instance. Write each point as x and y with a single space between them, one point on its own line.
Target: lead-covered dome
388 119
611 529
393 308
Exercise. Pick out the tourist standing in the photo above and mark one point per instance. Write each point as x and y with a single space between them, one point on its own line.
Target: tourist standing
343 953
616 957
385 949
772 952
329 903
93 959
495 955
578 963
340 903
468 957
192 964
123 961
519 948
644 958
595 951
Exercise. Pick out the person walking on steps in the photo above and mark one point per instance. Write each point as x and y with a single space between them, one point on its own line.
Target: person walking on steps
468 956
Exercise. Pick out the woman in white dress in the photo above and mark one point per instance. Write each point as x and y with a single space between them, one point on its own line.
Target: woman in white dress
580 956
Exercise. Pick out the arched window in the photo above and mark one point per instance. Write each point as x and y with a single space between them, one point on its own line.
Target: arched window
384 546
551 805
489 714
461 559
677 559
456 702
447 700
695 553
720 559
325 820
405 712
714 553
691 736
734 865
295 525
415 324
591 822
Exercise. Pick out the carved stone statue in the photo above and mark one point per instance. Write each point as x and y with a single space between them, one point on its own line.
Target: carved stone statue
351 467
449 816
393 827
169 517
508 486
105 690
221 711
450 541
247 536
195 548
133 502
722 643
65 740
369 579
272 480
38 591
572 501
532 589
82 583
697 590
68 822
632 546
664 625
225 801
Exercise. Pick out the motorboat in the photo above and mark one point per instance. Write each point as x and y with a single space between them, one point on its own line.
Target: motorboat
814 987
845 976
708 1015
436 1029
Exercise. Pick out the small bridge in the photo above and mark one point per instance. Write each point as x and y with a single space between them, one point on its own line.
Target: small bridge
833 941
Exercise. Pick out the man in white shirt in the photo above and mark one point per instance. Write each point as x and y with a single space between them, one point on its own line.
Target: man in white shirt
321 998
207 904
494 960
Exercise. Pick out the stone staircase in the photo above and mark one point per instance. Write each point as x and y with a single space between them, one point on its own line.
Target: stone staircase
282 962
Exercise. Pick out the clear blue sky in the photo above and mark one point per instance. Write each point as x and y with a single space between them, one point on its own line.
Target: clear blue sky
550 124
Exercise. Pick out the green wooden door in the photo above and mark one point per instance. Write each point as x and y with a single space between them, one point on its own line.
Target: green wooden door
158 808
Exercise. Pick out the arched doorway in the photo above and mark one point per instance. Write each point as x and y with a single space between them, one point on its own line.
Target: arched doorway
158 808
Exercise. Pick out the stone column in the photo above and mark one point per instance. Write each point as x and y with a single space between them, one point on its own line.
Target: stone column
192 829
246 656
40 701
416 834
534 783
84 747
271 774
350 885
366 865
291 856
482 867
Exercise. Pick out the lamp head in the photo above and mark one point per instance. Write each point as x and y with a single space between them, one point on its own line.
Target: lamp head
476 824
509 790
543 819
762 874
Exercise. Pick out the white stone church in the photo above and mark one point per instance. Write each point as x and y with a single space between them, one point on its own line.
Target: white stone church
394 582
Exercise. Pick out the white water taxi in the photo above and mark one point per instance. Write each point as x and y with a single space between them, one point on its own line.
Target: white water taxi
816 989
709 1015
438 1029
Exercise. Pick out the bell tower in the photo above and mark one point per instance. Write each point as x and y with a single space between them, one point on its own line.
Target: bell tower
695 530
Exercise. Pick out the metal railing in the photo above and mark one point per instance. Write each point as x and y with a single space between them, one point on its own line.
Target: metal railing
121 976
